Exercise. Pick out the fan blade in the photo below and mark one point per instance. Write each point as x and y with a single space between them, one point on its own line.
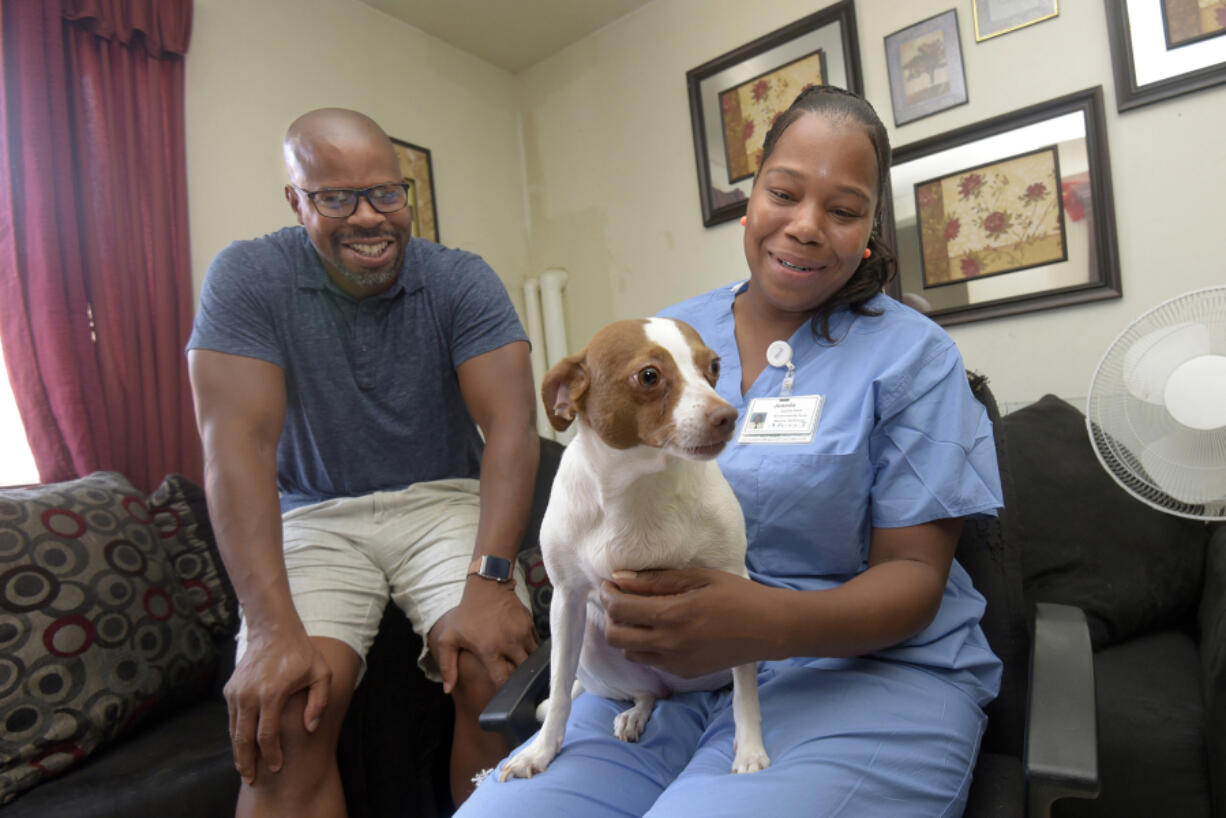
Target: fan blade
1184 467
1152 358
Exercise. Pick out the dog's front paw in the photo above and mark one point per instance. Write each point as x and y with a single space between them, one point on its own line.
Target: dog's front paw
529 761
628 725
750 759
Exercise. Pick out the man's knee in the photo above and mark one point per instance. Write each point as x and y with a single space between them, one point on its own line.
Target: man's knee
474 687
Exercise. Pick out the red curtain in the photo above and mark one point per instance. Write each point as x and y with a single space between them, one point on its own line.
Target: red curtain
95 272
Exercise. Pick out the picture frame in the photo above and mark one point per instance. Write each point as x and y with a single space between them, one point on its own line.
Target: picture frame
726 142
1078 261
996 218
995 17
925 67
1147 70
418 170
1190 21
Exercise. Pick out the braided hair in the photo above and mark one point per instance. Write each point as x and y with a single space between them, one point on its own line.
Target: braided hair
874 272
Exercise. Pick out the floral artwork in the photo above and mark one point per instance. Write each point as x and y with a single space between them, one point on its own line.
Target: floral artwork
1190 21
748 110
991 219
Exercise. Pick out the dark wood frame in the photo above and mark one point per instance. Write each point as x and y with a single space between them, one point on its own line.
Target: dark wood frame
427 183
1129 94
1104 276
841 14
904 113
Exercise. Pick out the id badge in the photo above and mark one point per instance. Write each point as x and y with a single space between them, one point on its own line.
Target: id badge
782 420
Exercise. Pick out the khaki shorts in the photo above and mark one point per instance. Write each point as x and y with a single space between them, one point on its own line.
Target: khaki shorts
347 556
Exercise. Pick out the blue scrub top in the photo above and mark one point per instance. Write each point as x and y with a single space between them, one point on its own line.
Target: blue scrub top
900 441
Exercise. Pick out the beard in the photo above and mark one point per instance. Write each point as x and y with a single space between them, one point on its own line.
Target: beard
366 277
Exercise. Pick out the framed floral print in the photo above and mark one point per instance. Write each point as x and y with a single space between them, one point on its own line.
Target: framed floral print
992 219
735 97
1009 215
1165 48
925 67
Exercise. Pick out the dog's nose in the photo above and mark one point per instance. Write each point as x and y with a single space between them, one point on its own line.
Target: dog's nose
722 417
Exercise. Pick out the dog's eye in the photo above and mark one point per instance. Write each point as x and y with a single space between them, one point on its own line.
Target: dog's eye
715 367
649 376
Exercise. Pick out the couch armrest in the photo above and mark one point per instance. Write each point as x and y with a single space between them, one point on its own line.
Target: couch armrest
1213 660
1061 757
512 710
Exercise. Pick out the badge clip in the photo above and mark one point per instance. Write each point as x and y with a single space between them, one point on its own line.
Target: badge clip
779 354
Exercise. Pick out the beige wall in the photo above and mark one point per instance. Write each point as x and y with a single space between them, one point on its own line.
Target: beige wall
255 65
611 189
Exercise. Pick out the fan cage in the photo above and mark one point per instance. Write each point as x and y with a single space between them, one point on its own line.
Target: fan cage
1121 425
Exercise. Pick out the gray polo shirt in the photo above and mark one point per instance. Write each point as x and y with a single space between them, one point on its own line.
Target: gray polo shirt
373 401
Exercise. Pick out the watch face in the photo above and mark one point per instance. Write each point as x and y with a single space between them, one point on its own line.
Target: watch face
495 568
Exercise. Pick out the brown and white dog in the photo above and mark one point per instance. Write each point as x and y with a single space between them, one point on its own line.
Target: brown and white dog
637 488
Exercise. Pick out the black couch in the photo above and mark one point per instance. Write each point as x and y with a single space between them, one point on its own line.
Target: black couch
167 753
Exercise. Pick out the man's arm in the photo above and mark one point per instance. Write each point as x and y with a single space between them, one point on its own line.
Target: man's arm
490 622
240 410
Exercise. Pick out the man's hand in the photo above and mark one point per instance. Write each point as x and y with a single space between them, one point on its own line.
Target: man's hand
492 624
688 622
274 667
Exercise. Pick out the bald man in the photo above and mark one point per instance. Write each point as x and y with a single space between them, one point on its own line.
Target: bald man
343 375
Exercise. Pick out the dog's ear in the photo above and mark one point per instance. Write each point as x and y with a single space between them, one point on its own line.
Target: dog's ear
563 389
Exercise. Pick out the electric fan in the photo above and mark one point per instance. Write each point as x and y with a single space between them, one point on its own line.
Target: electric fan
1156 411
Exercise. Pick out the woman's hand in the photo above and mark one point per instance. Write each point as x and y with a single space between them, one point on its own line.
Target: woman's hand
690 621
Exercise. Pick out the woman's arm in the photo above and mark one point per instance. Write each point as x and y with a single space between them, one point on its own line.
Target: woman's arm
695 621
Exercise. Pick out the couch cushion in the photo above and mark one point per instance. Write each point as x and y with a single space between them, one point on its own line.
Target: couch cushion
180 766
1087 542
1151 746
1213 662
96 630
182 519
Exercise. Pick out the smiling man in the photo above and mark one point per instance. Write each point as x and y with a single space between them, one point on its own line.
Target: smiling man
344 374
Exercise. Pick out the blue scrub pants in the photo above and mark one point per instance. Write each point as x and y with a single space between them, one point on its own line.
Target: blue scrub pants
857 738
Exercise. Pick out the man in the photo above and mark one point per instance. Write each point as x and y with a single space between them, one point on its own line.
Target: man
338 369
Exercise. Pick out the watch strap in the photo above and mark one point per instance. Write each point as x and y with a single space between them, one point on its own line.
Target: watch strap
497 569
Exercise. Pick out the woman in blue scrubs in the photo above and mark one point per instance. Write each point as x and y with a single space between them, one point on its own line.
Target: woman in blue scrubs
861 450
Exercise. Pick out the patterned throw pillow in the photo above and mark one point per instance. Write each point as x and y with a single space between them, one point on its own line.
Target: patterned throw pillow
182 519
96 629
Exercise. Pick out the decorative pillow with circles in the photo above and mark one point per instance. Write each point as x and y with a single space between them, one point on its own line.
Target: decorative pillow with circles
97 630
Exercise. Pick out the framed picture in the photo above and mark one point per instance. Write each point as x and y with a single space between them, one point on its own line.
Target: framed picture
1009 215
992 219
996 17
734 99
1164 48
1190 21
418 171
925 67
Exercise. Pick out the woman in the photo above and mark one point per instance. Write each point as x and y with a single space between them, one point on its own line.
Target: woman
875 670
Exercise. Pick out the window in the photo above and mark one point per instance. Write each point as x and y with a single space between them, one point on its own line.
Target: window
16 462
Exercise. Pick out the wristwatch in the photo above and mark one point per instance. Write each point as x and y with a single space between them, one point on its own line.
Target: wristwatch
494 568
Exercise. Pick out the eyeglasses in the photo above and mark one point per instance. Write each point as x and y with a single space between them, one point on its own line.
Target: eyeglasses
341 203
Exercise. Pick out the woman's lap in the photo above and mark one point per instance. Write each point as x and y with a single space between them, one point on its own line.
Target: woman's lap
854 738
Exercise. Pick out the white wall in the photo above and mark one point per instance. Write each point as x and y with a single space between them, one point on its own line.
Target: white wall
614 196
255 65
